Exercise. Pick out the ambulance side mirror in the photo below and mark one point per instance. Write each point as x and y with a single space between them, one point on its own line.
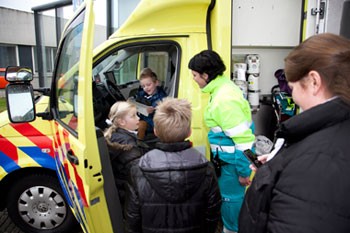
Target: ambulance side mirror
20 102
18 74
19 94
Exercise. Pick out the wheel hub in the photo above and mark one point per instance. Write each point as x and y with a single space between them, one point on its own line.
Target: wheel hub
42 207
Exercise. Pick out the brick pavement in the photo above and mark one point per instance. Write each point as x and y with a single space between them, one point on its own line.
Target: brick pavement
6 225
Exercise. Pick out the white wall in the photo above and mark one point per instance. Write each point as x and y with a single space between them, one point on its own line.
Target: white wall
272 28
269 28
266 23
16 27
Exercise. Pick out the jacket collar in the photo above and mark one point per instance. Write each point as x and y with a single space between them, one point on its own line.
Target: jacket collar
122 135
174 146
132 134
314 119
213 84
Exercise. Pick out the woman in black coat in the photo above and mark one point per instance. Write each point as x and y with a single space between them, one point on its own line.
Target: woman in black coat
305 187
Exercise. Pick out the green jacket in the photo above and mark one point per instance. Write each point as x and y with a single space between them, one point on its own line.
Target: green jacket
228 115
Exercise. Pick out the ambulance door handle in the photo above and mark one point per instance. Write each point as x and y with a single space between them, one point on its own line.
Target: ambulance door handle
72 158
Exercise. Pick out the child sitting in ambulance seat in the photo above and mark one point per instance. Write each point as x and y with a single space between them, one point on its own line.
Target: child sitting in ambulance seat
149 94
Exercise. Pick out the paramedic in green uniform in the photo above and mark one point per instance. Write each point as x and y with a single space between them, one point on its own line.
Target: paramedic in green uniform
228 116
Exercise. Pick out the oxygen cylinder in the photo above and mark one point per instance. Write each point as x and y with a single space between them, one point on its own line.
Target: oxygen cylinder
253 82
240 70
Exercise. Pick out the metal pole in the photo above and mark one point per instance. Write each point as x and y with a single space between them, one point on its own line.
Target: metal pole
38 41
109 18
38 49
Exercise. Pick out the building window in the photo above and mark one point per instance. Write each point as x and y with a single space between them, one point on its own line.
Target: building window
25 56
49 59
50 53
8 55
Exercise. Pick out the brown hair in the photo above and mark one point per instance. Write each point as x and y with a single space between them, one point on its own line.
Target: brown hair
148 73
172 120
329 55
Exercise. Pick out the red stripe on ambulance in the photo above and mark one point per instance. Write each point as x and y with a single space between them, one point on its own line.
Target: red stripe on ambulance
78 179
80 186
66 139
35 136
59 145
9 149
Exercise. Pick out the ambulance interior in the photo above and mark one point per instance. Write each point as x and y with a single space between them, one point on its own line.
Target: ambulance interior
116 74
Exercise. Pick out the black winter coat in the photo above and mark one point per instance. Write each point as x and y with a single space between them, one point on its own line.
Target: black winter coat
305 188
125 151
174 189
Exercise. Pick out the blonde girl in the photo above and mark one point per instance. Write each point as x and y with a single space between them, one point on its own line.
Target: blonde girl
124 147
123 115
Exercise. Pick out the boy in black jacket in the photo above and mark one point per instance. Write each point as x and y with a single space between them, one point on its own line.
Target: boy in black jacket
174 188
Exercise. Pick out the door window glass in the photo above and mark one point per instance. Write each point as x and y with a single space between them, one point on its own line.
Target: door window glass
122 67
66 76
117 74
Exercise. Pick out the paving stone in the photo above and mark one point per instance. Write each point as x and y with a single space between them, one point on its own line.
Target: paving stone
6 225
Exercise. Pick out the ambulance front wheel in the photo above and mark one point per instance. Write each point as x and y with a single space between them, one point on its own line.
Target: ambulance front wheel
36 204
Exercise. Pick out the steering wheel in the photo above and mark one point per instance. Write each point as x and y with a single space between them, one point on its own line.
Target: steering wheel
114 91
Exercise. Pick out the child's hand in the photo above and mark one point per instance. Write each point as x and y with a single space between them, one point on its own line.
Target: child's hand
150 110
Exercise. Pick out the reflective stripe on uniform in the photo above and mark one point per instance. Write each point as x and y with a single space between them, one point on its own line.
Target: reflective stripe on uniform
228 149
225 230
239 129
216 129
244 146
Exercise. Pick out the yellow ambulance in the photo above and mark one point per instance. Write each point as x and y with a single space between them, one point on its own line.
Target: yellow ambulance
29 187
160 34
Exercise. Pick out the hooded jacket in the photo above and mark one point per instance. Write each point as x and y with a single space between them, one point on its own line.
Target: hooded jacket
174 189
228 116
125 151
305 188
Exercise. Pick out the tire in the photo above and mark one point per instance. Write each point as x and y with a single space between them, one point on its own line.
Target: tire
36 203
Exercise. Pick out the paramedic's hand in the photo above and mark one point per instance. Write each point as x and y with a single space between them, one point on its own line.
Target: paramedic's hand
262 159
150 110
244 181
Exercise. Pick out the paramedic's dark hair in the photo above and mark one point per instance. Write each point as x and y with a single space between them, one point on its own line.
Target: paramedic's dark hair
209 62
329 55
